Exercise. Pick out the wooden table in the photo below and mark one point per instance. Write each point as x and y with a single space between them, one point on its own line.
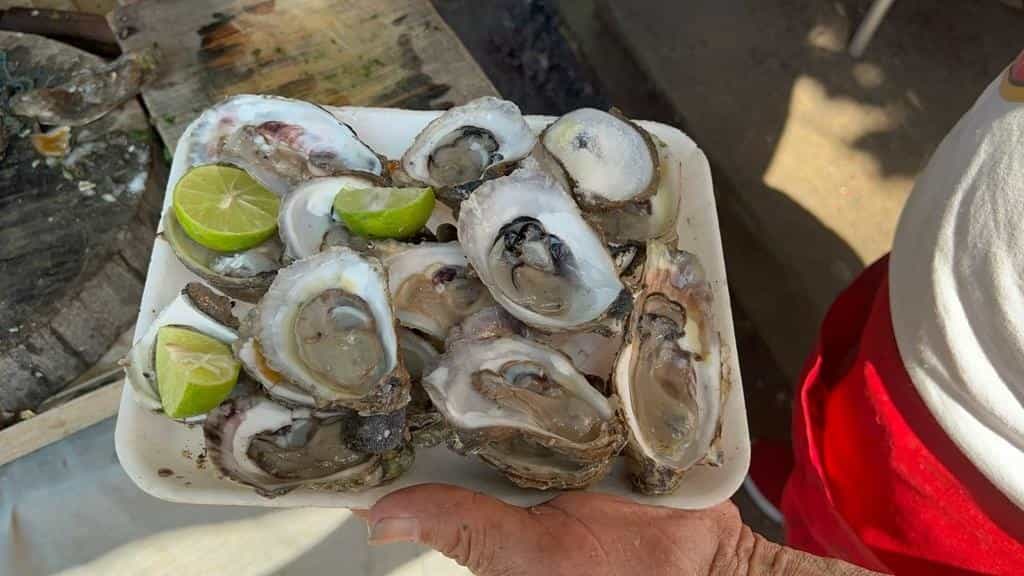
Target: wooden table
73 244
364 52
360 52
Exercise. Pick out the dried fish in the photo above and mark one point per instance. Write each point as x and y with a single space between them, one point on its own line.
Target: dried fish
90 93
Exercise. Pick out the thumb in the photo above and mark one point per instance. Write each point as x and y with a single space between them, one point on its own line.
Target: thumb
471 528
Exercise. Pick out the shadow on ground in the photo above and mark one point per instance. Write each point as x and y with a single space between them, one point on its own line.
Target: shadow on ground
813 151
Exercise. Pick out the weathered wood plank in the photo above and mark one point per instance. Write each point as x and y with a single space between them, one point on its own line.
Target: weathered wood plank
362 52
89 6
50 426
69 234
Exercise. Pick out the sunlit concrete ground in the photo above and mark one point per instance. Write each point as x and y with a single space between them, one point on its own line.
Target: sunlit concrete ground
69 509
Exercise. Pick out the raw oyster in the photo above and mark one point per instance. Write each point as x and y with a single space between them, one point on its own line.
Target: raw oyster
607 160
326 325
307 214
523 408
426 425
462 144
669 372
373 434
183 311
280 389
649 219
279 141
244 275
432 286
276 449
530 246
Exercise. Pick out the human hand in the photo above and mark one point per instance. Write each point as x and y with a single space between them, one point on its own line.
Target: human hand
583 533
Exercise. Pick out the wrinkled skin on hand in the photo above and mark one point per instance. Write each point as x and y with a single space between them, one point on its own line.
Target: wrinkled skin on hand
583 533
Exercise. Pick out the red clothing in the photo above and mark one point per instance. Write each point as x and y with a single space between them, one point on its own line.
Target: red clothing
876 481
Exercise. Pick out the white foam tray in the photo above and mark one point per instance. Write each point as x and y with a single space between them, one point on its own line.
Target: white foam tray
148 443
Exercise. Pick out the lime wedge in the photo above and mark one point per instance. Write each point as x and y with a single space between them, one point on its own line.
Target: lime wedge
223 208
385 212
194 372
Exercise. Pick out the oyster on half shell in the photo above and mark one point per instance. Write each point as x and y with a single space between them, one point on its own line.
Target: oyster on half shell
669 372
279 141
524 409
462 144
190 309
607 160
276 448
528 242
244 275
326 326
306 221
432 286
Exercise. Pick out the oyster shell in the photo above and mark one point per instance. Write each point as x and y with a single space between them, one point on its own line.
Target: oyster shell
432 286
426 425
185 312
524 409
669 372
89 93
279 141
243 275
649 219
326 326
607 160
592 352
539 258
275 449
307 217
465 142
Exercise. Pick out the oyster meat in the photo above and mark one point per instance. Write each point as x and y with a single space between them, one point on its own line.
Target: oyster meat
608 161
524 409
669 372
279 141
244 275
248 351
326 326
432 286
465 142
275 449
528 242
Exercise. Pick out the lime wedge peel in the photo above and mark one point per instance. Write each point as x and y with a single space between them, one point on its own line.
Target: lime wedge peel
194 372
385 212
224 209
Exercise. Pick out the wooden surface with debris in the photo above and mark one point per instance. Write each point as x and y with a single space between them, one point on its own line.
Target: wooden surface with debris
396 53
74 245
73 262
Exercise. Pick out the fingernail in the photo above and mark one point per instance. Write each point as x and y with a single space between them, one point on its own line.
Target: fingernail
388 530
